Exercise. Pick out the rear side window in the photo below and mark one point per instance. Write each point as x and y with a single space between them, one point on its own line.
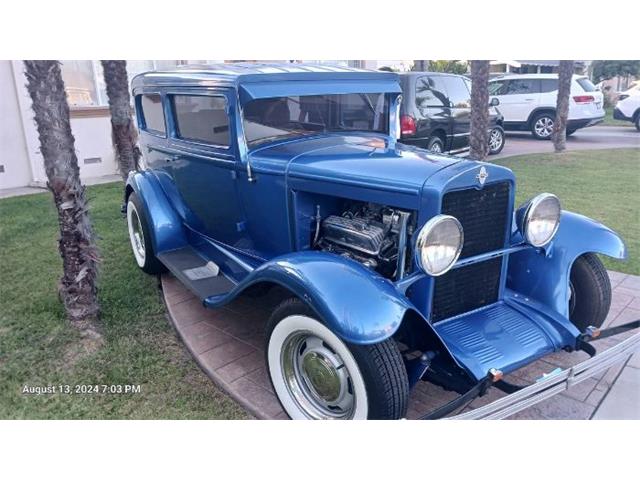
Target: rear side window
202 119
430 92
548 85
153 114
459 94
522 86
498 87
586 85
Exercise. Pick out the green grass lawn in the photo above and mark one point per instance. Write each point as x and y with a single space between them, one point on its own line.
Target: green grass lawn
611 122
37 348
601 184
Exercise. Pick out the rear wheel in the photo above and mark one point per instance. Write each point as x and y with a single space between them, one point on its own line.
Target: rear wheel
542 126
316 375
590 292
140 238
435 144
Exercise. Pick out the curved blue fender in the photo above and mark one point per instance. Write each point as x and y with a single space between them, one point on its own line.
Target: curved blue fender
165 224
544 274
359 305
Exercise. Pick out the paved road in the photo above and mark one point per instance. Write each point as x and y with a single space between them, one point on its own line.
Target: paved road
520 143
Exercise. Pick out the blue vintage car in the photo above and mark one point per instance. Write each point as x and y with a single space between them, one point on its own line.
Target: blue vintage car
397 265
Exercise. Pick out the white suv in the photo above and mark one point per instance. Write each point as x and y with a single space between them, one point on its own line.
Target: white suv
528 102
629 109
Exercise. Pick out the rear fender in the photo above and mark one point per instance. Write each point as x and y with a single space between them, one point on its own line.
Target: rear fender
543 274
166 227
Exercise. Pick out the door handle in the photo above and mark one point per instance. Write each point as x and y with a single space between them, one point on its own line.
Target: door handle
529 99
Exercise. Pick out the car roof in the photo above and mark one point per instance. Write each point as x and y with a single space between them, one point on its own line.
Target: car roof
434 74
234 74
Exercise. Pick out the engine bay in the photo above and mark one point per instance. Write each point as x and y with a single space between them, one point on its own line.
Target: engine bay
368 233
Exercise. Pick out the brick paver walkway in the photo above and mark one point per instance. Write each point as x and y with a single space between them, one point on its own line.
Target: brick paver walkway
228 344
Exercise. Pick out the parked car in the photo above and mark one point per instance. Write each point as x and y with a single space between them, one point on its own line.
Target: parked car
628 109
528 102
633 90
395 265
435 113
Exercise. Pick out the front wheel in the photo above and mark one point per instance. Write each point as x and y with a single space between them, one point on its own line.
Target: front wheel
316 375
496 140
590 290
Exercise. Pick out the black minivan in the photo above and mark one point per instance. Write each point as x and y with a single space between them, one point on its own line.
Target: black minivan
436 113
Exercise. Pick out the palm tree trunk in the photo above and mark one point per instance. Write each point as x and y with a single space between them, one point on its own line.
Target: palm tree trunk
77 245
123 131
479 134
559 136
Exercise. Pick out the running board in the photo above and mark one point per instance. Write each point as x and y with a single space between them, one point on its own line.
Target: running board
202 277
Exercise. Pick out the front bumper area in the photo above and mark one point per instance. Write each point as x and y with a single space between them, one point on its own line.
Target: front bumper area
618 115
553 384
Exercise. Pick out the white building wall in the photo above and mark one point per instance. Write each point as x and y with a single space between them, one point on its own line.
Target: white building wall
15 168
92 135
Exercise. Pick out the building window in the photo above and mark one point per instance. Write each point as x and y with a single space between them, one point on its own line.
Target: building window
84 79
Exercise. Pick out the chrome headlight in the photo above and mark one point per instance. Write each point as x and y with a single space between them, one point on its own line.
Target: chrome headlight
439 244
541 219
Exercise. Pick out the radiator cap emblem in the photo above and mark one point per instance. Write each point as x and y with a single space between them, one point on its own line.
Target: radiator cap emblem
482 175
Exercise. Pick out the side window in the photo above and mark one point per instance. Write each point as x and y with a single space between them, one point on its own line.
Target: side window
498 87
522 86
430 92
548 85
458 92
153 114
201 119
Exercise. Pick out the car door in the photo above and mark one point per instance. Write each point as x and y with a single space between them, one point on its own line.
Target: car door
460 98
433 106
204 163
518 97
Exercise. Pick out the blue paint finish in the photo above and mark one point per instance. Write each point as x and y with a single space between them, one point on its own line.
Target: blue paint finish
166 227
258 226
325 282
543 274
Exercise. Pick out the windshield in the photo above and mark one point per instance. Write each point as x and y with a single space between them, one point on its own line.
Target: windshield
271 119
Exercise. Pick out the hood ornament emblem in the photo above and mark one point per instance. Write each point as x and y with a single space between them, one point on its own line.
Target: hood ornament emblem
482 175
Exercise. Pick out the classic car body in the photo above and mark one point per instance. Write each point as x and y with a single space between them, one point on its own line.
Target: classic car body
333 217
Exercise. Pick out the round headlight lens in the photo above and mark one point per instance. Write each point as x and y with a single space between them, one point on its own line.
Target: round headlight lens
542 219
439 244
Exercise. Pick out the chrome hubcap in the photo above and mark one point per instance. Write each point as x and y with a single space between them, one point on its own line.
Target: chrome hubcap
544 126
436 148
495 140
317 378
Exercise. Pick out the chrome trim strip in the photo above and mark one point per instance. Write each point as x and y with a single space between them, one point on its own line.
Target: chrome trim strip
554 384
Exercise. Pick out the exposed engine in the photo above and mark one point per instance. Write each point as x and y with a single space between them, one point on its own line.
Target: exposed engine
368 233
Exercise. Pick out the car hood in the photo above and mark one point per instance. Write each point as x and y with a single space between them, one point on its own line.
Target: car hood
356 161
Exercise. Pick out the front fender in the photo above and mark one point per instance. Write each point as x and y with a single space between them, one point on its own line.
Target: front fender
359 305
544 274
166 227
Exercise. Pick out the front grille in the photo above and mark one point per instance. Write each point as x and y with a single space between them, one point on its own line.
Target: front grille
466 288
484 216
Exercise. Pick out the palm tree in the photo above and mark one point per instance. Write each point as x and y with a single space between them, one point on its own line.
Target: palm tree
559 135
479 133
420 66
77 247
123 131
